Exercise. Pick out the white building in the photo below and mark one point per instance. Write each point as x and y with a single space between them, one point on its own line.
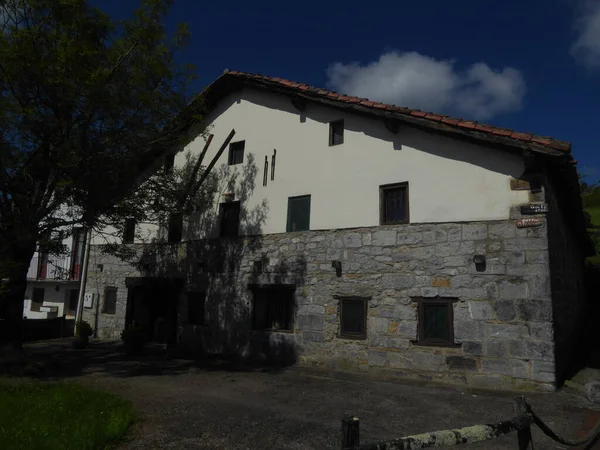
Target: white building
53 281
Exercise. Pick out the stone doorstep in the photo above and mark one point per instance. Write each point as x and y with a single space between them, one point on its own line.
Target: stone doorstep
585 376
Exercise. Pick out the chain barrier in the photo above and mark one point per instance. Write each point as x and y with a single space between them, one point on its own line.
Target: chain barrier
521 424
591 438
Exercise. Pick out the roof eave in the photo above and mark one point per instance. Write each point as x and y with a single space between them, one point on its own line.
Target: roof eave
233 81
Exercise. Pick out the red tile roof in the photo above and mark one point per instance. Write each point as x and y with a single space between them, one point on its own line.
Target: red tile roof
424 118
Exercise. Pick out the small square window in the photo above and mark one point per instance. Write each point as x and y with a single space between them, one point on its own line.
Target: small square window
236 152
273 308
436 321
110 300
129 231
394 204
353 318
229 219
169 163
336 132
196 308
298 218
175 231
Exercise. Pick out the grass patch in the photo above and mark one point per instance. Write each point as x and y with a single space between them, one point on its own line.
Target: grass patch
592 199
53 416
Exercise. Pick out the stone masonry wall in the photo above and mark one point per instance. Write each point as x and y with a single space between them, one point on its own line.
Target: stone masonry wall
502 319
107 271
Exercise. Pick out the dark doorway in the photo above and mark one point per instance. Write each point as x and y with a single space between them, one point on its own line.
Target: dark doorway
152 305
73 299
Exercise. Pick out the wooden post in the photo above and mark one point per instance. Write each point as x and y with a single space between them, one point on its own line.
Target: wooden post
524 436
350 433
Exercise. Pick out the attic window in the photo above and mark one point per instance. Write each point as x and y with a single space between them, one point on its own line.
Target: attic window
236 152
336 132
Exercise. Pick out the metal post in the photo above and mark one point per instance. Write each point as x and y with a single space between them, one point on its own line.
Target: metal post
524 435
350 433
84 271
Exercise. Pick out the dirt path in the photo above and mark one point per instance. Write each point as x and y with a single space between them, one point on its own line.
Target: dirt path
297 410
183 405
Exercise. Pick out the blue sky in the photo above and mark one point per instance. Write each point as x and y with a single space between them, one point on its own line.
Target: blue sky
529 65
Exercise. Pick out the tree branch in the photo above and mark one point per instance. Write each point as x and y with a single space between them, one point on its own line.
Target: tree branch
188 190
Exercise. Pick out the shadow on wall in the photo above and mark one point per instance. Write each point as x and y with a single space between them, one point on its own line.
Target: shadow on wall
218 272
406 136
583 350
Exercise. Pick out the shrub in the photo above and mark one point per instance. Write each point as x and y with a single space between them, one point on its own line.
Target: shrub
133 332
83 329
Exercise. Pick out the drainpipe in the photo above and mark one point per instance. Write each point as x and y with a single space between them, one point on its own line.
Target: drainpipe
84 272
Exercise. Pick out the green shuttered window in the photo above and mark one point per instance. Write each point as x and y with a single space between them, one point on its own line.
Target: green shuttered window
298 218
436 321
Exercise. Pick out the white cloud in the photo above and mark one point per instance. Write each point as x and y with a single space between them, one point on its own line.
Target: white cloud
586 48
419 81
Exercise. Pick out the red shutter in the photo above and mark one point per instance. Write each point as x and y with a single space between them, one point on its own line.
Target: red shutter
42 267
77 253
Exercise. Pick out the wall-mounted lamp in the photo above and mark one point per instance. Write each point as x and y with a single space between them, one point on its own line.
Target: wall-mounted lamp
100 267
258 267
480 263
337 265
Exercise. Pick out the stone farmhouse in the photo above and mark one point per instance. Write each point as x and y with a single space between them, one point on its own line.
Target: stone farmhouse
362 236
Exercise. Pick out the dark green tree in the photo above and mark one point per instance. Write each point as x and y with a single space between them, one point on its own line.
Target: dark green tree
584 186
87 106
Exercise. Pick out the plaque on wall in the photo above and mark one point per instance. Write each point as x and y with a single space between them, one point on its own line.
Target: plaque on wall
88 300
534 208
529 222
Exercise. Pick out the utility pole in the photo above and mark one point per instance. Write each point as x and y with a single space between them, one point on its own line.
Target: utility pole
84 272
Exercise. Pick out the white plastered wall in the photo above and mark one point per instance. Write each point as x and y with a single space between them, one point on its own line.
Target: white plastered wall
449 180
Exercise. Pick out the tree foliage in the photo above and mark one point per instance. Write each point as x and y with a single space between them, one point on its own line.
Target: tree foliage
584 186
87 104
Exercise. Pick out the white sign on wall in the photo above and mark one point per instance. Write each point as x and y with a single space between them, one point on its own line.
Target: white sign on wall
88 300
